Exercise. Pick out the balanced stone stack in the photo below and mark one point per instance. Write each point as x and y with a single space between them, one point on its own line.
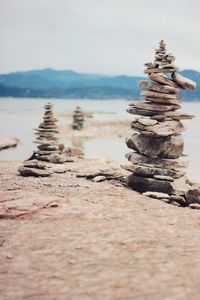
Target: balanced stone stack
49 150
157 141
46 135
78 118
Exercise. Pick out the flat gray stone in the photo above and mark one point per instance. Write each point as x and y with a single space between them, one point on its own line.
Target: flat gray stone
164 177
56 158
177 198
45 152
163 79
142 184
180 185
141 112
156 195
174 164
45 142
184 82
151 86
161 129
167 147
178 116
46 130
162 101
160 95
47 147
160 70
35 164
151 171
26 171
99 178
155 107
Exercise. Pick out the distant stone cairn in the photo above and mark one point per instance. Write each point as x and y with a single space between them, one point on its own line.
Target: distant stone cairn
78 119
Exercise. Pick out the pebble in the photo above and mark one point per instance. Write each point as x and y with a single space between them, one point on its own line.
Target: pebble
175 203
193 195
181 200
147 121
52 204
99 178
195 205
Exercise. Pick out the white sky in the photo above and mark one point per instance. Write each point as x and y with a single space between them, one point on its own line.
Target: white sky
97 36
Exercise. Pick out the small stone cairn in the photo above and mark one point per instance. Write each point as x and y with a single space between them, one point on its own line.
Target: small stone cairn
49 150
78 119
156 168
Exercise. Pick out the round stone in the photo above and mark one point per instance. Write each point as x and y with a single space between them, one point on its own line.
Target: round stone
147 121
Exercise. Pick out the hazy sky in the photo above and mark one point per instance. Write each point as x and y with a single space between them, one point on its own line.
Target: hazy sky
97 36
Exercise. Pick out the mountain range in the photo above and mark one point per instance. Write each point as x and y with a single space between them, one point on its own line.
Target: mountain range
50 83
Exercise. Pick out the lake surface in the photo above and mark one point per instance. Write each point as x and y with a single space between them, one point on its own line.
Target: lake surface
19 116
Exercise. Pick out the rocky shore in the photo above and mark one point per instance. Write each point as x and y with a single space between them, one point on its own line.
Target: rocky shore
68 236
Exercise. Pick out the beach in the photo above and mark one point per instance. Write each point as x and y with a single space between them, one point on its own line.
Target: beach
65 237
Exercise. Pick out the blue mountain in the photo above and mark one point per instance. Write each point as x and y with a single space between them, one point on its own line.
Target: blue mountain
50 83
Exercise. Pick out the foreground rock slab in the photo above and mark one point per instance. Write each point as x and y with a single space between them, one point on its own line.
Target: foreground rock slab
93 235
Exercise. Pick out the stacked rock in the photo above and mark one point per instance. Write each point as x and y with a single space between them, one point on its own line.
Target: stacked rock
47 135
49 150
157 141
78 118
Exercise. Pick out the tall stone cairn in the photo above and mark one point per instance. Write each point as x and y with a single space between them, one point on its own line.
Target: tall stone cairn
157 142
78 119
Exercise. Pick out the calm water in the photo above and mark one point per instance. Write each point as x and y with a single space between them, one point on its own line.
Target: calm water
19 116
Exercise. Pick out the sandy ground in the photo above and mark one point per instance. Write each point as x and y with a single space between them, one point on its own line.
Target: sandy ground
98 241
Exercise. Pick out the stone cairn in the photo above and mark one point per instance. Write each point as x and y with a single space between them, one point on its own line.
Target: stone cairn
48 149
78 119
46 135
156 169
